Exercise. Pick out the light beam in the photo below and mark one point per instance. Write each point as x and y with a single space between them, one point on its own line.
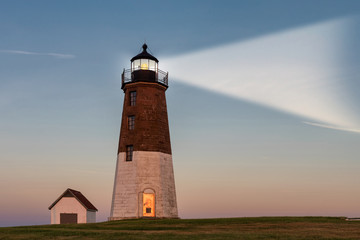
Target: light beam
297 71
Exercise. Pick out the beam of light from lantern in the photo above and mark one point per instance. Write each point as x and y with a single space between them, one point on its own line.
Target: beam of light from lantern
297 71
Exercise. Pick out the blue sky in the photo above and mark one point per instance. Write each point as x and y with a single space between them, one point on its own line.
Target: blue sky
234 154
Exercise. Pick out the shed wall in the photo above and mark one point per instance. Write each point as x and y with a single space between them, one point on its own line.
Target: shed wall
91 217
68 205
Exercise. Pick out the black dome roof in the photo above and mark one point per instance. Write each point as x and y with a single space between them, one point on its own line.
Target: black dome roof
144 54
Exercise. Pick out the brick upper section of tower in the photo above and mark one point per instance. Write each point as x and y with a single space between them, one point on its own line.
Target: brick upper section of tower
151 131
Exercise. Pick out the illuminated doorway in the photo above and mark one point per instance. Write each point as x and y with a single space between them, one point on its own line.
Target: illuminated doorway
148 205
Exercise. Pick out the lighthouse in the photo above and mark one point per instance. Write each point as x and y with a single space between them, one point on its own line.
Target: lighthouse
144 185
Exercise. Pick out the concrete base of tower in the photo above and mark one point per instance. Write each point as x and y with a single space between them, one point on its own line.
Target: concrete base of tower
144 187
118 219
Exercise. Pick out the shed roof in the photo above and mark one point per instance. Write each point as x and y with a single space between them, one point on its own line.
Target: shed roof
79 196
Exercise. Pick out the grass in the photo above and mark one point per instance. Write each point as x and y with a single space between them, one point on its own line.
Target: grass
264 228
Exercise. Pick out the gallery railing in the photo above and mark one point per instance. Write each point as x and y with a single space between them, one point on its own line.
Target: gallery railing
159 76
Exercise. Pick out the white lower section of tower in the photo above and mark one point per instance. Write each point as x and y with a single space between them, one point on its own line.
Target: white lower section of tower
144 187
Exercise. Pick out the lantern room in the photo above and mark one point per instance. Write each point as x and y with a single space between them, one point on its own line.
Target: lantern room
144 68
144 61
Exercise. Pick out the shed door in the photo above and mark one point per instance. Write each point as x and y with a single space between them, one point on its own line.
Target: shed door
68 218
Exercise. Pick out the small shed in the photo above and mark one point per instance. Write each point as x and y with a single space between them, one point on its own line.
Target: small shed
72 207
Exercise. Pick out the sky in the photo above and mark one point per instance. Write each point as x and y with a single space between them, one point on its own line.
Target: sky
263 103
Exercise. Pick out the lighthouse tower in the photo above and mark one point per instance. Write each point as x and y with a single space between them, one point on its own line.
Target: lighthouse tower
144 179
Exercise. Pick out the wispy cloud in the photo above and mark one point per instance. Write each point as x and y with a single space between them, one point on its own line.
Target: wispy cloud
333 127
56 55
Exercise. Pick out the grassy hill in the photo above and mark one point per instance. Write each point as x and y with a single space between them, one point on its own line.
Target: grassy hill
287 228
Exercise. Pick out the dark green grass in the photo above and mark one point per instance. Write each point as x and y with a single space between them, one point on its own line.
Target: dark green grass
279 228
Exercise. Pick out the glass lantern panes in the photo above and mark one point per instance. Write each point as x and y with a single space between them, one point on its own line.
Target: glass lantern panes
152 65
144 64
136 65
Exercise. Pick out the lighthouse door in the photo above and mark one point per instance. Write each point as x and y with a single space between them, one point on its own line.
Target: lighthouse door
148 204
